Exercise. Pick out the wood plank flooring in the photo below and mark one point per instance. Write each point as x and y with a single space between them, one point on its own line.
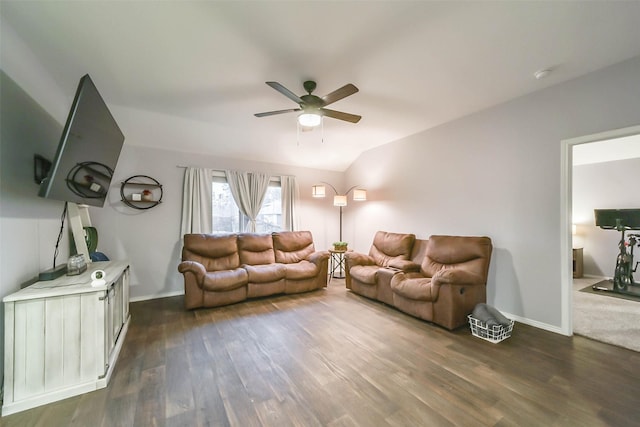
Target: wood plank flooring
333 358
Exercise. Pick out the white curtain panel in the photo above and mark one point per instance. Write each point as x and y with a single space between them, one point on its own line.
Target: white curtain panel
197 215
290 195
248 191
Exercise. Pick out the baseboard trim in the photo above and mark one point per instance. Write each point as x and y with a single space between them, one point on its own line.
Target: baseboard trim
156 296
537 324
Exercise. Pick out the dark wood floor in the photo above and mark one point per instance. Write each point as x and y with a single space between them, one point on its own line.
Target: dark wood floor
332 358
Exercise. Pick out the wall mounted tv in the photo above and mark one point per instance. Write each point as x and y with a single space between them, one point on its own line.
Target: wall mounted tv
613 218
87 153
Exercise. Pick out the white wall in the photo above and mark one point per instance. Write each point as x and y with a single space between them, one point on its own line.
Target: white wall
29 225
150 239
496 173
608 185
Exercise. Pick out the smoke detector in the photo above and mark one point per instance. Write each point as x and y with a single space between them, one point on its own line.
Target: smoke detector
541 74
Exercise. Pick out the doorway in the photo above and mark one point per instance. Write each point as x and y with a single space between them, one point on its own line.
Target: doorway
567 212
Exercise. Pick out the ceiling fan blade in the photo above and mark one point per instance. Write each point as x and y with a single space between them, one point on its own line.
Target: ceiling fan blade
338 94
286 92
273 113
353 118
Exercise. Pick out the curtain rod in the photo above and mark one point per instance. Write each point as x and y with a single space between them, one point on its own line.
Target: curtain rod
222 170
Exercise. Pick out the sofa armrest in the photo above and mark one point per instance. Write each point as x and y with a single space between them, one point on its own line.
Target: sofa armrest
456 292
455 276
404 265
318 257
352 259
194 267
356 258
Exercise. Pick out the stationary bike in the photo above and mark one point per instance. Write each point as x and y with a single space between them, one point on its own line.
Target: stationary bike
622 220
623 277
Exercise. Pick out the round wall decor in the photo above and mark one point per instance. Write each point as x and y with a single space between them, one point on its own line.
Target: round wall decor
141 192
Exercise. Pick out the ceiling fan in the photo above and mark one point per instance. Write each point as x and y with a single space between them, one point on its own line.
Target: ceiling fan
312 106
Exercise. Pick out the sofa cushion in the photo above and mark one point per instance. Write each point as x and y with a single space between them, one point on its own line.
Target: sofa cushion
292 246
214 252
224 280
413 286
390 246
255 249
265 273
301 270
364 273
462 252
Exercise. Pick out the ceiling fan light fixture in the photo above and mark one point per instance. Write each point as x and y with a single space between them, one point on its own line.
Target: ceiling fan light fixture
311 108
309 119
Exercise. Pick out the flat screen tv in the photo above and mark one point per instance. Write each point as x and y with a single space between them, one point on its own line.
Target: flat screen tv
88 151
612 218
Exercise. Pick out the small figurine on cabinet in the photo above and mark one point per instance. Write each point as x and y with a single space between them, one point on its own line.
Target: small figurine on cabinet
97 278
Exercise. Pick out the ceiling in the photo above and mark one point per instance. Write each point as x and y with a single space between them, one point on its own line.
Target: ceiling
610 150
202 66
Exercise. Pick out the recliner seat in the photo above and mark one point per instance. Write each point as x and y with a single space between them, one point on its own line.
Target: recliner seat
442 281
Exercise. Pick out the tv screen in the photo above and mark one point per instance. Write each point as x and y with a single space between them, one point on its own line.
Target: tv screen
611 218
87 153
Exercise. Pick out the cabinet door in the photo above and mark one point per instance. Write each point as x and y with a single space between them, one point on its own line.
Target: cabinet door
57 344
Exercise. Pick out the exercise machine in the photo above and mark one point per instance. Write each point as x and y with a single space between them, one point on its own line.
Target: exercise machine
622 220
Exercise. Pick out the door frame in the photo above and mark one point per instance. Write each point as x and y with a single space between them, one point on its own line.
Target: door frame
566 208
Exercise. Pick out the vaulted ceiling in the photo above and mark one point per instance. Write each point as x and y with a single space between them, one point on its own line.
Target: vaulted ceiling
202 65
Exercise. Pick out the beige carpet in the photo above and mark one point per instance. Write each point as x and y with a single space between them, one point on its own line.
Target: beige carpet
603 318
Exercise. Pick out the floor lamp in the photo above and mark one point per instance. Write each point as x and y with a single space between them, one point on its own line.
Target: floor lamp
339 200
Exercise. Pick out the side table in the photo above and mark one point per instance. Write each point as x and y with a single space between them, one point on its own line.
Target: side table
337 266
578 263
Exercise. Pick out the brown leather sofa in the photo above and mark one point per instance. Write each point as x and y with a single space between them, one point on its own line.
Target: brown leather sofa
439 280
225 269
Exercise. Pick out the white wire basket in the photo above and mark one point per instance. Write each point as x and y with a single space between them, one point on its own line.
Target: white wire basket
494 334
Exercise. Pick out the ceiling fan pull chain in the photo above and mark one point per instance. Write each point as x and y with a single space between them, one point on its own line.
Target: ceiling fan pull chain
322 130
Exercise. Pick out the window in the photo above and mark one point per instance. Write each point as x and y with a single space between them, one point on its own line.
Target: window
227 218
270 217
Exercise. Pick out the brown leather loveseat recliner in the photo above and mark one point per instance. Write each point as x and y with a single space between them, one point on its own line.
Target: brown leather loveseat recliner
225 269
439 280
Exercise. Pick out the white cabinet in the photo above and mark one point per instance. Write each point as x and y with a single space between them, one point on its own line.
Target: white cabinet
63 337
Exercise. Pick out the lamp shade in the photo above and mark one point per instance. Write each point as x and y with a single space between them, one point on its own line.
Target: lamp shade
359 195
317 191
339 200
309 119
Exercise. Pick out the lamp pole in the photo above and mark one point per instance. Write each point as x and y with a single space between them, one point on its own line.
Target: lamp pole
340 223
341 205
